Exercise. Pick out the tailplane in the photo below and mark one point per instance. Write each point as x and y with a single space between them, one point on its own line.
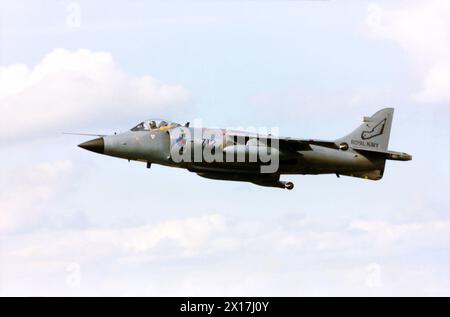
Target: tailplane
371 139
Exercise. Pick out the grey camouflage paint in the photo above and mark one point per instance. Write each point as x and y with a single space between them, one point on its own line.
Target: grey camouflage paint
362 153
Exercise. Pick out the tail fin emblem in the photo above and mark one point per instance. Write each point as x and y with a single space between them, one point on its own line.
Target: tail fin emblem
376 130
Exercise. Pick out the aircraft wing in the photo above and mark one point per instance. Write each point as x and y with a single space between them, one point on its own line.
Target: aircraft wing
286 143
294 144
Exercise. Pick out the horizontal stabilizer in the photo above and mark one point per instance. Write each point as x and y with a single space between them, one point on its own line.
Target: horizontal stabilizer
388 155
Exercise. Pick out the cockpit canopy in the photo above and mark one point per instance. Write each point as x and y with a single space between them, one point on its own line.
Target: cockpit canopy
154 124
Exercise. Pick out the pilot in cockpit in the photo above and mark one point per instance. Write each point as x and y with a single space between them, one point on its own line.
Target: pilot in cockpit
162 124
154 124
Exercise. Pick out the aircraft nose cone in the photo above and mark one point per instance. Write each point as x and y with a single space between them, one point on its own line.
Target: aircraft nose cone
95 145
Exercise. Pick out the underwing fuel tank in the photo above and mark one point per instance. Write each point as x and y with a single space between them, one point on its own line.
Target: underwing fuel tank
267 181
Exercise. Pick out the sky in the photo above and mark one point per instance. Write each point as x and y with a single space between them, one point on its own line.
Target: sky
73 222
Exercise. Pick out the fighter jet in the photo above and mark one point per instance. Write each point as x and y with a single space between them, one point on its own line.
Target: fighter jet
260 159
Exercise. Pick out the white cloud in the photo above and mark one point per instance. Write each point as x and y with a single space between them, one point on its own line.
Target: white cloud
207 254
387 237
422 29
70 89
436 84
191 236
25 197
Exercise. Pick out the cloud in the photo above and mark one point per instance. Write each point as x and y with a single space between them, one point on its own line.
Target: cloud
27 193
422 30
209 254
72 89
436 84
179 237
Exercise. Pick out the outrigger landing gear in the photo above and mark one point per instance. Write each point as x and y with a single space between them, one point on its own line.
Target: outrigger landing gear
279 184
289 185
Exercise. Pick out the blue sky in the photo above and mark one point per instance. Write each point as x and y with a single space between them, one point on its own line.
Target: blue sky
76 223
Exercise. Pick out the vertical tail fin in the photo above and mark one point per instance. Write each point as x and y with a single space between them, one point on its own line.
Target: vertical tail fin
373 134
